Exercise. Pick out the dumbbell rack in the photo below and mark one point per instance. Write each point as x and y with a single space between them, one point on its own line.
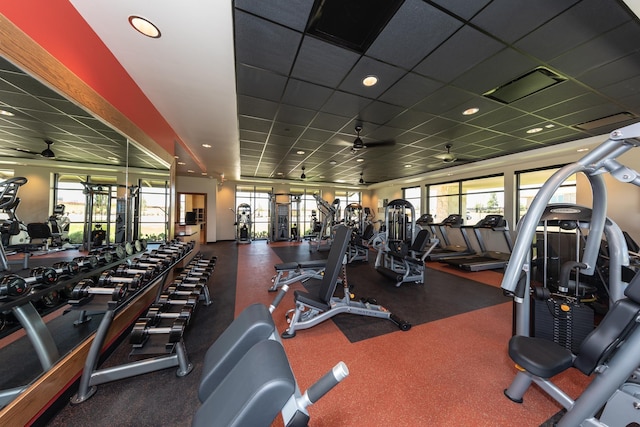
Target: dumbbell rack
34 326
92 376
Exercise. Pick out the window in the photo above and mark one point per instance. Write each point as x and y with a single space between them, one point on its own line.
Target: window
153 197
258 199
530 182
473 199
413 196
69 191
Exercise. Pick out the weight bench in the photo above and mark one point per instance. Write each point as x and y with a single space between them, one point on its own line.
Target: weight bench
611 350
403 267
312 309
297 271
247 378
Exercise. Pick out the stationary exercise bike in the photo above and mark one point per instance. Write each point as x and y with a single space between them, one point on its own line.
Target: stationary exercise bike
59 225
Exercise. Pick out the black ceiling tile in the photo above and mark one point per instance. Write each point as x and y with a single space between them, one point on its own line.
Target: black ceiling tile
575 104
485 106
294 115
387 75
501 68
443 100
409 119
470 47
322 63
432 143
410 89
552 95
589 114
307 144
255 107
251 145
280 140
263 44
415 30
287 129
479 136
624 88
384 133
510 20
259 83
457 131
607 48
555 134
254 124
329 122
632 103
305 95
435 126
248 135
584 21
522 122
613 72
379 112
317 134
291 13
491 118
463 8
345 104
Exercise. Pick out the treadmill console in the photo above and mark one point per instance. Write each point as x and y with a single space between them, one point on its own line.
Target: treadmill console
453 220
491 221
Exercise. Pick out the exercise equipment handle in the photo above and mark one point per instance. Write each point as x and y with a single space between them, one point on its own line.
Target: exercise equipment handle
327 382
278 298
565 271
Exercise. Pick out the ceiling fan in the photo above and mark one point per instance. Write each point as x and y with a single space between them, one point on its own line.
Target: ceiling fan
447 157
47 152
359 144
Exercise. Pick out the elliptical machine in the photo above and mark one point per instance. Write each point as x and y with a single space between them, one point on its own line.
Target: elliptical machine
14 232
59 225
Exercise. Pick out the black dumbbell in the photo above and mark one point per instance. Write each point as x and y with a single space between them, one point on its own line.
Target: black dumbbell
13 286
66 268
183 291
183 277
50 299
174 299
108 278
135 263
103 255
86 263
43 275
144 327
85 288
125 270
165 261
158 312
179 282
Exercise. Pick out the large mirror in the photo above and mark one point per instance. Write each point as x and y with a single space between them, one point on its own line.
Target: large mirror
58 145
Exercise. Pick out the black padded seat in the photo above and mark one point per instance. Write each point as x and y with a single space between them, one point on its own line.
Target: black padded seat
314 263
253 325
284 266
308 299
539 356
253 393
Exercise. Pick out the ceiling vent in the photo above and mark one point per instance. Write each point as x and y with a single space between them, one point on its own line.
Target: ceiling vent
606 121
353 24
528 84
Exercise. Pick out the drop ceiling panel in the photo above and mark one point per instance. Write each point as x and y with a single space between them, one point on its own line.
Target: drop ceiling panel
415 30
259 83
255 107
305 95
290 13
322 63
387 75
612 72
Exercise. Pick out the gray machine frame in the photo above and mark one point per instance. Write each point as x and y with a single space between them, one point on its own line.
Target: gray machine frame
614 375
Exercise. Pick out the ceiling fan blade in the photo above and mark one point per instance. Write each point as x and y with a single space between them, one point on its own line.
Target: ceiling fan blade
24 150
385 143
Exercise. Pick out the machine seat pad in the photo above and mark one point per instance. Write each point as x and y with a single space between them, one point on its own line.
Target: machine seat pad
254 324
314 263
286 266
253 393
310 300
539 356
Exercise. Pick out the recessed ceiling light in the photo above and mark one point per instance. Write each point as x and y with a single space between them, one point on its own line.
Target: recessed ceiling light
181 163
203 173
206 145
370 81
535 130
279 173
582 150
550 125
407 166
144 27
6 113
332 162
340 181
176 157
470 111
359 160
190 171
300 152
113 159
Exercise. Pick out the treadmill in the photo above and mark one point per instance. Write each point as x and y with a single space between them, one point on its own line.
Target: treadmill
454 240
493 237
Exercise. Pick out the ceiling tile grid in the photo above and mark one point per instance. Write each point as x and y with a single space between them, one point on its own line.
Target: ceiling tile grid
433 60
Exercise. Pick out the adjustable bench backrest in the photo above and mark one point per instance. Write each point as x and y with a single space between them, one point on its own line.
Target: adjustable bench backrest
334 263
421 241
602 342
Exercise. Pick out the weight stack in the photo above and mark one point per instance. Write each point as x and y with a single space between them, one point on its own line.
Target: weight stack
564 322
